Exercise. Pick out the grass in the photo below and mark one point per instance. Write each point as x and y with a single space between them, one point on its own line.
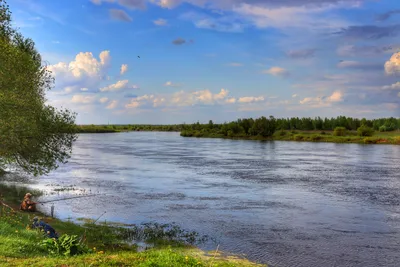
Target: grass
311 136
19 244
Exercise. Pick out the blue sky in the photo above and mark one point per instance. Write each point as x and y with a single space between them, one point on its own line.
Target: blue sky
219 60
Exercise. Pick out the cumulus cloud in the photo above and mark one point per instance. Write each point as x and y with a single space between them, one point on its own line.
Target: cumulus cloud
318 102
179 41
294 95
276 71
359 65
84 89
395 86
181 99
119 14
131 4
392 66
85 71
124 69
160 22
230 100
124 84
250 99
83 99
113 104
103 100
302 53
171 84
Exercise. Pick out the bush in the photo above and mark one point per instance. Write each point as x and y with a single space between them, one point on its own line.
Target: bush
382 128
67 245
339 131
365 131
323 132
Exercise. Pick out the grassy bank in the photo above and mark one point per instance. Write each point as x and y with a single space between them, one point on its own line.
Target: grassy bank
392 137
125 128
102 244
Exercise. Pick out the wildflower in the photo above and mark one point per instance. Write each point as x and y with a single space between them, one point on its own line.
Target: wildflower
100 252
94 248
186 258
16 231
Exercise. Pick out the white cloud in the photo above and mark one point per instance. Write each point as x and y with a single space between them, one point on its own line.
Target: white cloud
185 99
124 84
395 86
84 89
276 71
295 95
392 66
85 71
113 104
160 22
398 94
171 84
231 100
132 4
124 69
83 99
103 100
250 99
318 102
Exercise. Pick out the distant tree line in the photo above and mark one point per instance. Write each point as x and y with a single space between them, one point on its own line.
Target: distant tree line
265 127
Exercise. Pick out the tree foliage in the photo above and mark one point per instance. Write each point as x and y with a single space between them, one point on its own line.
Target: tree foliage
34 136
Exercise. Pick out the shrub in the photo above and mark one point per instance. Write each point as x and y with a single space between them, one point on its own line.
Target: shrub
339 131
67 245
382 128
323 132
365 131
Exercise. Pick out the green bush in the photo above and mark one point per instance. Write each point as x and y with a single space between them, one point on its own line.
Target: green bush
339 131
365 131
67 245
382 128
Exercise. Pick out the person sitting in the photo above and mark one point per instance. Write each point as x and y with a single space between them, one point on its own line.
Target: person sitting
47 229
27 204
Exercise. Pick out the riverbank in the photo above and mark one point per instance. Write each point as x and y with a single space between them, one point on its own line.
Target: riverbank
104 244
307 136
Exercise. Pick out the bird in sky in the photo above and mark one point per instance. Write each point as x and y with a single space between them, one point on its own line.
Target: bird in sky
138 56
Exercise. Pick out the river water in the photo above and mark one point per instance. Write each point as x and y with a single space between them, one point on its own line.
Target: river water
282 203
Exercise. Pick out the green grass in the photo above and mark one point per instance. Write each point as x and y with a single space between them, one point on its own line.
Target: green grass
311 136
19 244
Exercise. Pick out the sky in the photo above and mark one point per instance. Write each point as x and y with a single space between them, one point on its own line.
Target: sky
183 61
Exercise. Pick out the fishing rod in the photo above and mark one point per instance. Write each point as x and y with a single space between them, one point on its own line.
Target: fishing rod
67 198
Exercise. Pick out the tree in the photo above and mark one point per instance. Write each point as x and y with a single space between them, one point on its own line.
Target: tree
34 136
364 130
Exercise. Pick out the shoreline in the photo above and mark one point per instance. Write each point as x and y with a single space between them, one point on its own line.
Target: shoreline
106 240
311 137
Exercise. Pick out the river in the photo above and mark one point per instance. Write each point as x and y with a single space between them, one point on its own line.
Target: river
282 203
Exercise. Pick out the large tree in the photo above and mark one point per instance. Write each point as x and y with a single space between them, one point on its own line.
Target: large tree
34 137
